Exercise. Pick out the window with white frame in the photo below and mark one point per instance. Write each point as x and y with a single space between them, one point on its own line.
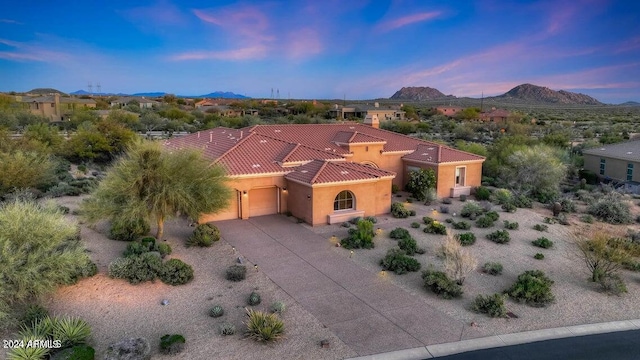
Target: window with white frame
344 201
460 175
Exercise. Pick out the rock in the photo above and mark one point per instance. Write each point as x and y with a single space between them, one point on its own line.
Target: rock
239 260
164 302
325 343
557 208
129 349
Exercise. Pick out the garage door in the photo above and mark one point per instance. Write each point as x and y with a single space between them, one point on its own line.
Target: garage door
263 201
229 213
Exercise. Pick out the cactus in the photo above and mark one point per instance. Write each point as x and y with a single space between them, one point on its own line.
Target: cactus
278 307
227 329
254 299
216 311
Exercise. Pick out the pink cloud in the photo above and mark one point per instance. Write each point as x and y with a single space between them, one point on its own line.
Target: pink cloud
162 12
303 43
28 52
255 52
407 20
247 22
629 45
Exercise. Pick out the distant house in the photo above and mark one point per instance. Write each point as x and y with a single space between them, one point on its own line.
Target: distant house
495 115
325 173
449 111
388 112
54 107
143 102
619 162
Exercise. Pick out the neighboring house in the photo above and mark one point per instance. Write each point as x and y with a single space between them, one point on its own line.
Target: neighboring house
325 173
55 107
388 112
449 111
615 161
495 115
223 110
143 102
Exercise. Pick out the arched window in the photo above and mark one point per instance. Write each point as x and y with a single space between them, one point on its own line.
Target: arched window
344 201
370 164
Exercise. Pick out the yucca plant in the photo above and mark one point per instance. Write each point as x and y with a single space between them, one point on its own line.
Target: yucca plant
264 327
71 331
28 353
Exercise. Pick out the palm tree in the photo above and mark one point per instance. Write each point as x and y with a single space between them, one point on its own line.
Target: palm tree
151 183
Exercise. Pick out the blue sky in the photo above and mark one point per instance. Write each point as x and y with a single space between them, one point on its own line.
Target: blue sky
323 48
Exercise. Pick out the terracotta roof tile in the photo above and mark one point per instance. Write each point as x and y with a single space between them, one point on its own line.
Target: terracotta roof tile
355 137
322 171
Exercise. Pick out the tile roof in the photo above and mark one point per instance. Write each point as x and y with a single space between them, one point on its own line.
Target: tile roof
323 171
439 154
355 137
629 150
63 100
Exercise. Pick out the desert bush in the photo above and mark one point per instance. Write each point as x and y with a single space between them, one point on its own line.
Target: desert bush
236 273
372 219
603 254
428 220
492 268
440 284
216 311
458 262
410 246
346 224
611 208
227 329
136 269
360 238
613 284
137 248
486 206
463 198
540 227
164 249
355 220
511 225
471 209
264 327
461 225
78 352
277 307
396 260
501 197
509 207
399 233
484 222
32 314
550 220
62 189
447 201
538 256
172 344
522 201
586 219
444 209
533 287
415 225
449 220
399 211
499 236
412 213
466 239
542 242
482 193
254 299
492 305
492 215
435 228
420 183
127 229
567 205
586 196
204 235
176 272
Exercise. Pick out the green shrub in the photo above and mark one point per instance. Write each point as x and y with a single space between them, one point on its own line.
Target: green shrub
463 197
399 233
428 220
540 227
461 225
501 197
436 228
32 314
412 213
611 208
236 273
444 209
482 193
127 229
471 209
484 222
613 284
227 329
176 272
136 248
204 236
360 238
346 224
509 207
449 220
254 299
355 220
550 220
586 219
492 305
533 287
499 236
264 327
216 311
136 269
439 283
447 201
511 225
372 219
542 242
394 188
78 352
631 265
538 256
567 205
410 246
415 225
466 239
492 215
70 331
492 268
278 307
396 260
522 201
164 249
172 344
62 189
399 211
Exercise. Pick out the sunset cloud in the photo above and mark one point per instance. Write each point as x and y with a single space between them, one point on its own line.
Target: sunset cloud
30 52
407 20
249 53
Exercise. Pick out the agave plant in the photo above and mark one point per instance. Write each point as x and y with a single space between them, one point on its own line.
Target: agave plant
264 327
28 353
71 331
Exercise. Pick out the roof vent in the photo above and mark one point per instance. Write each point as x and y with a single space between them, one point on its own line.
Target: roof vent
255 165
263 141
344 172
326 149
603 149
424 154
304 171
629 152
351 127
277 130
430 148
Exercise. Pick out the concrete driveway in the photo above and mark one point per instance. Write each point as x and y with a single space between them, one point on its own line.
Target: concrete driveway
366 311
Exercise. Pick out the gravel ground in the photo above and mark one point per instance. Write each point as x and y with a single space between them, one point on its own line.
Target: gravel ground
115 309
578 301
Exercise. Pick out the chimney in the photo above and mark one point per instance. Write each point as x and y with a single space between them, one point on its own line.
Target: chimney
376 104
372 120
56 100
210 137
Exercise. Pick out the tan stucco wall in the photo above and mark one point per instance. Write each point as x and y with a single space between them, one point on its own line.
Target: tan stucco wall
446 175
614 168
389 162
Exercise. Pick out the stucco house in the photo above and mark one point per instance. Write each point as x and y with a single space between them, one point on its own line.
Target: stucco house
495 115
619 162
55 107
143 102
385 112
325 173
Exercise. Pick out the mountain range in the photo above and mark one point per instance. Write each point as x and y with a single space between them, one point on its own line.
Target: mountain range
216 94
525 93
